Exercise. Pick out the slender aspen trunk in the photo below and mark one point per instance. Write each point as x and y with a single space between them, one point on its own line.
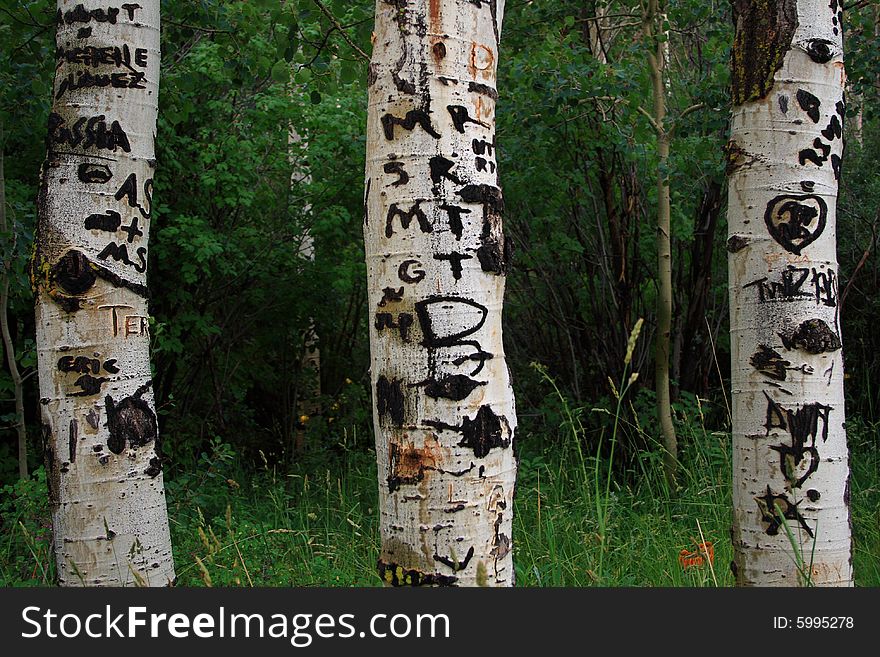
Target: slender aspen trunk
436 258
104 460
657 62
598 28
8 345
306 397
790 464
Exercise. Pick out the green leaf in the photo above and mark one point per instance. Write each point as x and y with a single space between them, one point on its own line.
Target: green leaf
281 71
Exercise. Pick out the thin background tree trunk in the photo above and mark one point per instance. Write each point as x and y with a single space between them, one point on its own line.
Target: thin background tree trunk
8 344
657 62
436 258
790 465
103 456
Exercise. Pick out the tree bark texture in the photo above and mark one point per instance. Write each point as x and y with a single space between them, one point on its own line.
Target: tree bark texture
444 411
790 464
657 57
103 455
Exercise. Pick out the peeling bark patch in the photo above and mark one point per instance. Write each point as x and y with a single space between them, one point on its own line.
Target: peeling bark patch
397 575
131 422
813 336
501 542
495 252
455 564
770 363
495 255
408 464
764 32
736 157
796 221
390 401
484 432
457 387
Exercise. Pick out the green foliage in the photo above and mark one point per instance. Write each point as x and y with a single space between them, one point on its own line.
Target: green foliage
585 247
25 526
261 151
317 524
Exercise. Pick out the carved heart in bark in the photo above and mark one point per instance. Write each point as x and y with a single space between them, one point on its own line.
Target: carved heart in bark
796 221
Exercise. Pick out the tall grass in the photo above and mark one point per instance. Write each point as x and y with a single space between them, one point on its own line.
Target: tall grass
317 526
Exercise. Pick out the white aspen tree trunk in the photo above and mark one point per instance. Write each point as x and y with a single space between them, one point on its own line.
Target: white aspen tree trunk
444 411
307 396
598 29
104 460
654 18
790 463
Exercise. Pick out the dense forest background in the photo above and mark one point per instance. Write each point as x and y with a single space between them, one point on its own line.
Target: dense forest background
261 150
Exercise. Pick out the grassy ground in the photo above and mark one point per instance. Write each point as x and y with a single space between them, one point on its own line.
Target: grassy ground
573 525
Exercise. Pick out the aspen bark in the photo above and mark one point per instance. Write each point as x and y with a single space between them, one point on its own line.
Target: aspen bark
103 455
306 398
657 59
790 464
444 411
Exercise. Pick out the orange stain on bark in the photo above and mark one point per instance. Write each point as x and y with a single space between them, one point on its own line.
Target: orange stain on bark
434 18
